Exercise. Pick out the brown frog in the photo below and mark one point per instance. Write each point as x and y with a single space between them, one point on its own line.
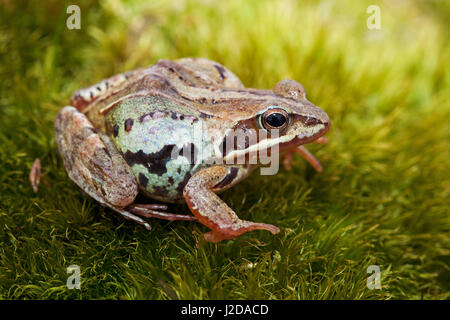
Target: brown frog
169 132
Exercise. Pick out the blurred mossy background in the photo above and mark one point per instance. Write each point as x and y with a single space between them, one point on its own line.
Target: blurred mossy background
382 199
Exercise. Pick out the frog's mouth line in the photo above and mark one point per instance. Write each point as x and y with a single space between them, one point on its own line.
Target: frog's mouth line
304 139
277 145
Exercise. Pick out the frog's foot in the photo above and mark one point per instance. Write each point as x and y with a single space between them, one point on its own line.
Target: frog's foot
212 211
129 216
94 164
321 140
308 156
150 211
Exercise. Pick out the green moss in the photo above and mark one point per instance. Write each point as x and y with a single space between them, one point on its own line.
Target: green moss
383 198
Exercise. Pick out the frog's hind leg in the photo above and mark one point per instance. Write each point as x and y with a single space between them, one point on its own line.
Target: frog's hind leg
94 164
149 211
211 211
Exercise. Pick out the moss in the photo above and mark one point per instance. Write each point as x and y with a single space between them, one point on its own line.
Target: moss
382 199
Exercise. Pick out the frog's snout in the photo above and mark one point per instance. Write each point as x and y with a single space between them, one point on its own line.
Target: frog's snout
325 119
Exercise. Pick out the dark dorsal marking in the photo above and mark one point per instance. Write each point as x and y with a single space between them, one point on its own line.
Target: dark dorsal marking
204 115
161 114
181 72
221 71
153 115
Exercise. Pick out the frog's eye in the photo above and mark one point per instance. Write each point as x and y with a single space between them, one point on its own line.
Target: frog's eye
275 118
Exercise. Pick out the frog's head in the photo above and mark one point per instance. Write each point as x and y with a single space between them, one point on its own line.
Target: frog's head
285 115
297 120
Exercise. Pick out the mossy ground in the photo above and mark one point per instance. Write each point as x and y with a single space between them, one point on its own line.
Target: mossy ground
382 199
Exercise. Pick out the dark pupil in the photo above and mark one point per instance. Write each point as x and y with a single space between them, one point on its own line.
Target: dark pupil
275 120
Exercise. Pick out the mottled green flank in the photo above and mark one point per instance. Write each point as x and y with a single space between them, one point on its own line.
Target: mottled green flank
382 199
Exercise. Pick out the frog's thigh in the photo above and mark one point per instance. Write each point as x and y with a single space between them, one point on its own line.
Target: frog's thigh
92 161
212 211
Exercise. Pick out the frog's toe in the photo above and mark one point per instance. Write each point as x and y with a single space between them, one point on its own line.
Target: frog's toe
321 140
221 234
150 211
130 216
287 161
308 156
245 226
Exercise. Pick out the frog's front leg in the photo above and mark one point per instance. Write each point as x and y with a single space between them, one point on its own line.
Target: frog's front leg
94 164
211 211
308 156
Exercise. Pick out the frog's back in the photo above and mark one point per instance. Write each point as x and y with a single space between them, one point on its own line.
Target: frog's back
149 115
183 79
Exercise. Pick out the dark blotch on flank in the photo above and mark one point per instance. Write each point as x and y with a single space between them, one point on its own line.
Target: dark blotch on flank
183 183
115 130
128 124
143 181
156 162
160 191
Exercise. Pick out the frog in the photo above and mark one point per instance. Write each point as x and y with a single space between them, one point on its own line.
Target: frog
132 134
